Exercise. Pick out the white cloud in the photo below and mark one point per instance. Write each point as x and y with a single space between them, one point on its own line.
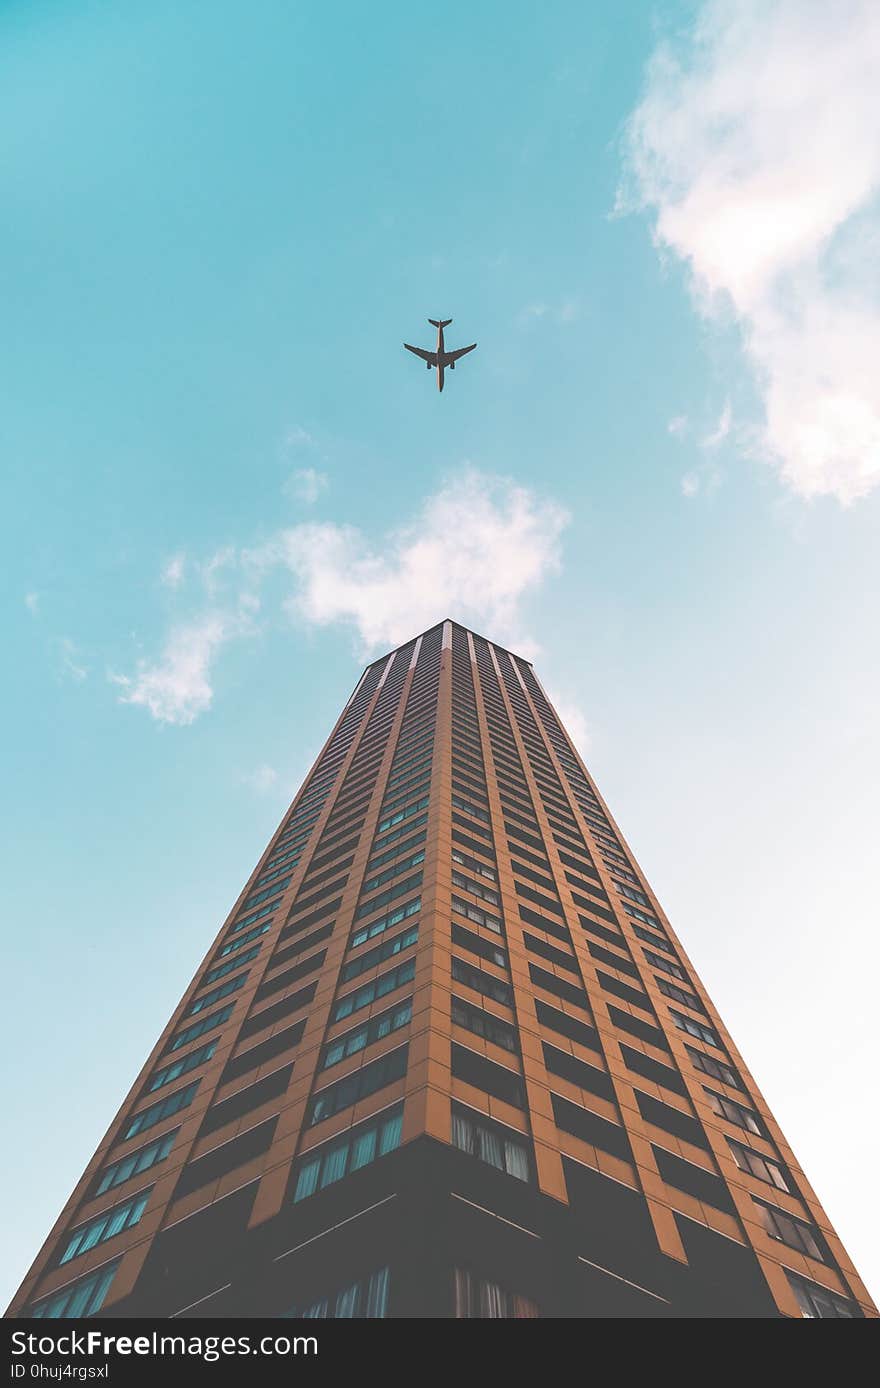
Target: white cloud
721 430
306 485
173 571
32 603
478 545
71 660
261 779
177 688
690 484
475 549
677 426
755 145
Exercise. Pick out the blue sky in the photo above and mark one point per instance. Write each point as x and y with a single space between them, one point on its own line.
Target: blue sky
226 484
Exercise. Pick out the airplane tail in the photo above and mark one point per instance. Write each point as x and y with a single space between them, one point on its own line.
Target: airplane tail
441 323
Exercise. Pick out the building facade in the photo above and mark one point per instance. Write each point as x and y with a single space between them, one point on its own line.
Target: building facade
446 1057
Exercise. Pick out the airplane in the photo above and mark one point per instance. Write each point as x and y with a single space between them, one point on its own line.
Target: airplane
441 358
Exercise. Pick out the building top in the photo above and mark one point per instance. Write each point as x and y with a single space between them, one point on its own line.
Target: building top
452 622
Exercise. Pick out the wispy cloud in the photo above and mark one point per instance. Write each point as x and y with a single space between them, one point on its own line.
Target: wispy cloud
32 603
716 436
261 779
755 146
173 571
178 686
306 485
475 549
477 546
70 660
561 312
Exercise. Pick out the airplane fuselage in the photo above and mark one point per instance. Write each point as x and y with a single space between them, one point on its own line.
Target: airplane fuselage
440 351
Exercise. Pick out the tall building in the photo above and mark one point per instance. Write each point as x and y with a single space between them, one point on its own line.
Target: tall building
446 1057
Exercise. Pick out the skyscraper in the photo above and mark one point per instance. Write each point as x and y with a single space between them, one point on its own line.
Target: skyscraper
446 1057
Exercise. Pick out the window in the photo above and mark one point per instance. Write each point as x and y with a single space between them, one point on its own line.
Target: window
390 894
368 932
680 994
390 873
794 1233
477 1299
710 1066
665 964
467 939
756 1165
818 1303
484 1074
220 970
491 1143
216 1019
104 1226
558 986
386 983
486 984
135 1162
474 865
359 1147
694 1028
182 1066
246 938
734 1113
411 809
365 1035
363 1300
651 939
475 914
149 1117
362 1083
478 889
208 999
379 955
398 834
493 1029
565 1025
467 808
410 844
81 1298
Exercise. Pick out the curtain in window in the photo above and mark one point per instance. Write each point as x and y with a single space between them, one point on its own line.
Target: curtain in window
462 1294
346 1308
363 1149
316 1312
516 1160
391 1132
493 1301
377 1295
334 1165
490 1150
524 1309
307 1181
462 1132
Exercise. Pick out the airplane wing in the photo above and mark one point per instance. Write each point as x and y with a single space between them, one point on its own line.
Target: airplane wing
462 352
429 357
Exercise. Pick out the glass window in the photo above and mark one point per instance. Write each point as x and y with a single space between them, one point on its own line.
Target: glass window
490 1143
477 1298
794 1233
734 1112
818 1303
756 1165
81 1298
135 1162
357 1149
